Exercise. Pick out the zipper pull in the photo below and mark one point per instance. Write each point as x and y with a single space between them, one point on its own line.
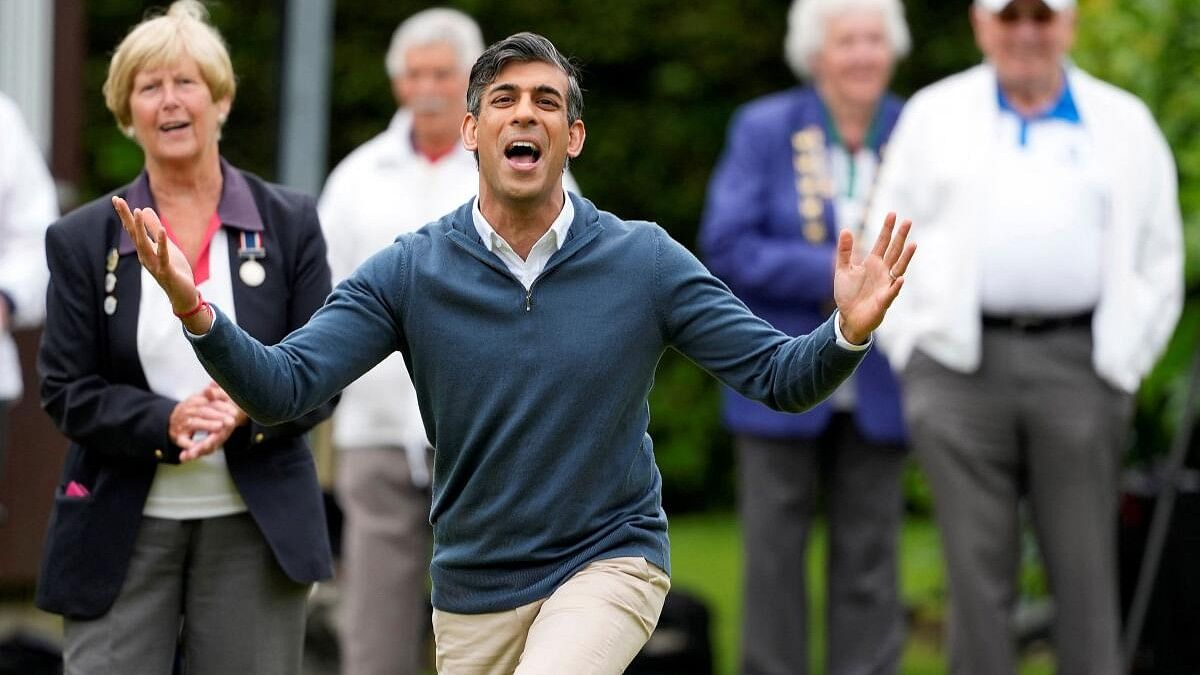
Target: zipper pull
528 298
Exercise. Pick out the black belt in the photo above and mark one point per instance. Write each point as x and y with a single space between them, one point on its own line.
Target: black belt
1030 323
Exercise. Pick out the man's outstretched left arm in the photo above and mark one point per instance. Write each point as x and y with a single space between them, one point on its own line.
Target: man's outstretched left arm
713 328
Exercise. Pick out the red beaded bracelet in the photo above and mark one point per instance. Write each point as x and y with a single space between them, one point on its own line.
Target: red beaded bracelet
200 304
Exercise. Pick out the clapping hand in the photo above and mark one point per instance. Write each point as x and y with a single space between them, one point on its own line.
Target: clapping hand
202 422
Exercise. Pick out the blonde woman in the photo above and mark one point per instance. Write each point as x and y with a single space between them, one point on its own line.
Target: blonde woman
149 544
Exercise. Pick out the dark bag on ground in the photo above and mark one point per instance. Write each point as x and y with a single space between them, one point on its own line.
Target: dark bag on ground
680 644
25 654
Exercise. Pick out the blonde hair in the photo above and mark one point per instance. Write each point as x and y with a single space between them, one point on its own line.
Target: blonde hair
164 40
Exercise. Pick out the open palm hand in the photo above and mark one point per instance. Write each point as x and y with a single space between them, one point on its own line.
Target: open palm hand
864 290
159 255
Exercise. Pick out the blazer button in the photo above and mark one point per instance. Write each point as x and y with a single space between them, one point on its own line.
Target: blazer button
258 438
158 453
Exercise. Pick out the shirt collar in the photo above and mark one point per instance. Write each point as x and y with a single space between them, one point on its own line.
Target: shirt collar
236 209
400 131
558 229
400 140
1063 109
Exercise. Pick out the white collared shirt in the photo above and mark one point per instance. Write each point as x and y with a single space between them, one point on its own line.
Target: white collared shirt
526 271
385 188
28 204
1042 222
202 488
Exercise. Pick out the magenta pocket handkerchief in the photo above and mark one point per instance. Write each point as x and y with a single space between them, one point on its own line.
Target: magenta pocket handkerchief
76 490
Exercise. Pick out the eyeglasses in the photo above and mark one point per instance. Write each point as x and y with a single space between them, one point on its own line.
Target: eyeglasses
1012 14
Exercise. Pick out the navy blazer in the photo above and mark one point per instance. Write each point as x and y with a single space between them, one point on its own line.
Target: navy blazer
754 237
93 387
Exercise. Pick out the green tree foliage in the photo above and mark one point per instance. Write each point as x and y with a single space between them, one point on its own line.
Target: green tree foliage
1152 48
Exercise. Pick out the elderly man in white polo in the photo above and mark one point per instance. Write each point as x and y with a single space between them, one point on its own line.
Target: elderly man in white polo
1052 280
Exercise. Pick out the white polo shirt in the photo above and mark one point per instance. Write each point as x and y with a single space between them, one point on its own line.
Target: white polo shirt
203 487
1043 229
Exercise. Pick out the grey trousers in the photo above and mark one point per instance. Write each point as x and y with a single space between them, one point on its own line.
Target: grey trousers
781 484
386 542
215 585
1035 422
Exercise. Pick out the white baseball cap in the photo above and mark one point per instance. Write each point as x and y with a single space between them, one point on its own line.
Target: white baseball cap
997 5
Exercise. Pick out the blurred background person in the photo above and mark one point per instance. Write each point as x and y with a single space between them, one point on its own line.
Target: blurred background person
148 543
799 166
410 175
28 204
1044 201
407 176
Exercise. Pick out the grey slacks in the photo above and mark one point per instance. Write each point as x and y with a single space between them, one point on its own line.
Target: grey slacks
386 542
1035 422
212 583
781 483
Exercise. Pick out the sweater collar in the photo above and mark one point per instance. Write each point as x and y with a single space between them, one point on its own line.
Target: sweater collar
585 226
559 229
587 218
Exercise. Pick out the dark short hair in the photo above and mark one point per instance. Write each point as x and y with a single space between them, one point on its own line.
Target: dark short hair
523 48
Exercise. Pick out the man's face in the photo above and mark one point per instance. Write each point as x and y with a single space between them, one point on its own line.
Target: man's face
433 86
521 135
1026 41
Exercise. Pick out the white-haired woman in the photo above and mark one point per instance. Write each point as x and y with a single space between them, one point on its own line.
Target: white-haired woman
150 544
798 166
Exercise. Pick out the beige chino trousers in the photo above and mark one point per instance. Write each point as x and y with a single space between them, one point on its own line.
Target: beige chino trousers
594 624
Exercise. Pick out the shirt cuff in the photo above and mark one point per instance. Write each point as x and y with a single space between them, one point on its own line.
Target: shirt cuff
841 339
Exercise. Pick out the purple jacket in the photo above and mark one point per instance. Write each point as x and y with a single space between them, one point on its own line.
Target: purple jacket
773 244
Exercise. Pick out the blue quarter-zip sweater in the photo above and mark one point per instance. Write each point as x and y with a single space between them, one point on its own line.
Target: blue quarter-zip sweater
535 402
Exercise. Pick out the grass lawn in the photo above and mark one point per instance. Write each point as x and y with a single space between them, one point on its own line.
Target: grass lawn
707 560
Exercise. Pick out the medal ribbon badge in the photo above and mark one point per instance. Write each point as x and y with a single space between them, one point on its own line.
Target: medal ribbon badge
251 248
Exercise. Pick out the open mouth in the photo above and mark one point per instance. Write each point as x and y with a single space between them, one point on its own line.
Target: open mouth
522 153
172 126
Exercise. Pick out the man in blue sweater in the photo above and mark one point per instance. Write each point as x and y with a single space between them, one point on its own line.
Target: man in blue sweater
532 323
